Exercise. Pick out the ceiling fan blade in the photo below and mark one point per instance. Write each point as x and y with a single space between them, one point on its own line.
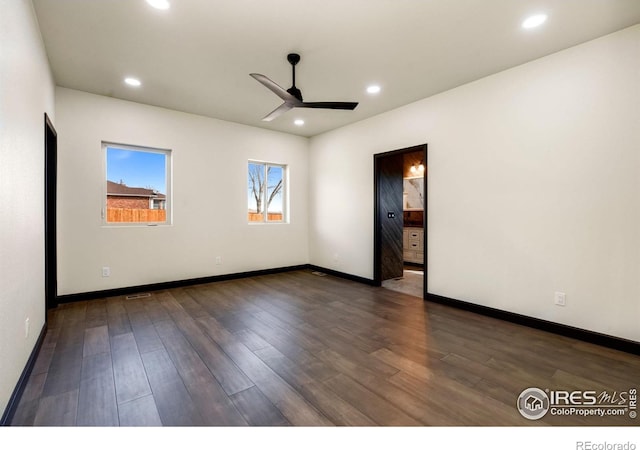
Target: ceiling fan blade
273 87
330 105
277 112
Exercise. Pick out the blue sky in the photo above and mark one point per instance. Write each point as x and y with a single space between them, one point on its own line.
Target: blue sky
137 168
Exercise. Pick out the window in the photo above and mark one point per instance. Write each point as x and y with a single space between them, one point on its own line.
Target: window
266 192
138 185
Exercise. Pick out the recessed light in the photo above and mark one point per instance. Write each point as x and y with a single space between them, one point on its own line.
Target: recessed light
373 89
132 82
534 21
299 122
159 4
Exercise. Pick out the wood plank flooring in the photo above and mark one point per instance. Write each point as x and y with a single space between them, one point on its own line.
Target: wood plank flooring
296 349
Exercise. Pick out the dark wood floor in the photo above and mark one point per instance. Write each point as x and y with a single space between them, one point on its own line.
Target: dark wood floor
300 349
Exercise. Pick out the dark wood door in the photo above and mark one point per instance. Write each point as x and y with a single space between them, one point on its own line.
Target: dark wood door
389 197
50 229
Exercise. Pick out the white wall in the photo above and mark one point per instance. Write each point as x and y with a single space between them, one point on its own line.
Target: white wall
209 197
26 93
533 187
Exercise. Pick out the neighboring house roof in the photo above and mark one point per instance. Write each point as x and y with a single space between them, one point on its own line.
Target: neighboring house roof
122 189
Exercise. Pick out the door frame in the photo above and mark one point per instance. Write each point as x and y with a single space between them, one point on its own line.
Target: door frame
378 160
50 215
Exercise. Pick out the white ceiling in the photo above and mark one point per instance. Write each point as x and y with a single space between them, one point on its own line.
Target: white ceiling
196 57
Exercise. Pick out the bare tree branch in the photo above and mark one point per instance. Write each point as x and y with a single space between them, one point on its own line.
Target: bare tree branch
257 185
274 193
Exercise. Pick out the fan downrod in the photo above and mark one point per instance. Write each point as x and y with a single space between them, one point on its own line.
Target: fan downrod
294 59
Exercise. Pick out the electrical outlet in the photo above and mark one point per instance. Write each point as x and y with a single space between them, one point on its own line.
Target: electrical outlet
560 299
26 328
106 272
218 260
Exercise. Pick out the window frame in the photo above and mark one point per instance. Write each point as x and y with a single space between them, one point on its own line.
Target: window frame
168 183
284 192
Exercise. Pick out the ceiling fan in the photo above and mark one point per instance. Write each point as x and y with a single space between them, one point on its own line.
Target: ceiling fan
293 97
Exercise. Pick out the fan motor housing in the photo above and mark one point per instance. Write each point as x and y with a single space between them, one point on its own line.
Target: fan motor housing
293 58
295 92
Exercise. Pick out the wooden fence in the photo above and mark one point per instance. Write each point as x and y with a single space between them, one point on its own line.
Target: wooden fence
131 215
259 217
121 215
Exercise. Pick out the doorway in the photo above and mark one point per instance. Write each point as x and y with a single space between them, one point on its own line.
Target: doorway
50 229
400 208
